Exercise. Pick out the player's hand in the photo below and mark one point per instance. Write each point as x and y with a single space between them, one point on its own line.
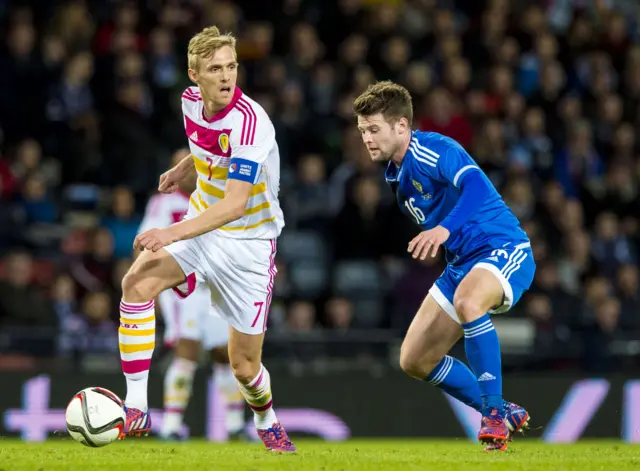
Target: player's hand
169 180
428 242
154 239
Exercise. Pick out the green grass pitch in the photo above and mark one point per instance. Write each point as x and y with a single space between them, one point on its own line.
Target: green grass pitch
314 455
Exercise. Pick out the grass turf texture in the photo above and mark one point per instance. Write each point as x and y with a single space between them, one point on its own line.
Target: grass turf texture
354 455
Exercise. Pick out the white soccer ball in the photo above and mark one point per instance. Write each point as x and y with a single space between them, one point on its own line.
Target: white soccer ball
95 417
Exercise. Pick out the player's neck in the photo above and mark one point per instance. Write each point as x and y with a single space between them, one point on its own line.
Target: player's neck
402 150
211 108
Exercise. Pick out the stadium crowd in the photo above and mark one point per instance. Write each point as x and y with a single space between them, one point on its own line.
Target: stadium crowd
545 95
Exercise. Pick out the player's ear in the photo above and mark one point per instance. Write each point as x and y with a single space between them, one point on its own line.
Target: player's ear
193 75
404 125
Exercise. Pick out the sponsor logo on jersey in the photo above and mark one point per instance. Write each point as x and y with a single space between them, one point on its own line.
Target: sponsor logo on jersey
233 168
194 136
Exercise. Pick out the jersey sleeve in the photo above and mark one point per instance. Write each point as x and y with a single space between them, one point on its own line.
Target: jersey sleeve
455 165
153 215
448 163
251 140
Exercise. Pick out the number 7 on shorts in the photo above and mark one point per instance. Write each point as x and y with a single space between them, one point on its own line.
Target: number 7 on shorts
259 305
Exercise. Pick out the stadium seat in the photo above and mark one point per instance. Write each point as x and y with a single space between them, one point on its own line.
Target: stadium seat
358 279
302 245
308 277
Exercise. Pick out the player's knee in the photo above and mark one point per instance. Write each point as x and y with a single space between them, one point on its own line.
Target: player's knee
134 289
468 308
245 371
415 366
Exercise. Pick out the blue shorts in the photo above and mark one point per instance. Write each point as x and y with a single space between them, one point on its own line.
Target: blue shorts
513 265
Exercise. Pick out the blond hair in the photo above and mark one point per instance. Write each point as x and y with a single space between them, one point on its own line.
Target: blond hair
207 42
393 101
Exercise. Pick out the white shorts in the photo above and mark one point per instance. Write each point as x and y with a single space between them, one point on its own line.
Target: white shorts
239 272
192 318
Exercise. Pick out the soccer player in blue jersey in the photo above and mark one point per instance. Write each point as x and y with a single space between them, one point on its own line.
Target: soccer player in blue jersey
489 259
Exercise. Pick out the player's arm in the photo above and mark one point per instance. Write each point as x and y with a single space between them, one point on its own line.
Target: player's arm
456 168
459 169
228 209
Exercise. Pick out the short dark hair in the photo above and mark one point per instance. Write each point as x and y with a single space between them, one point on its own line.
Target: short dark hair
388 98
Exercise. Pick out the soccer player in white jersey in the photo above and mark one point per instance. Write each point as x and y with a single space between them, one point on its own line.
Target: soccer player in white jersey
227 240
190 325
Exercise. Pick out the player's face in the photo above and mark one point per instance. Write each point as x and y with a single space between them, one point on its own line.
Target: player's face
380 137
217 75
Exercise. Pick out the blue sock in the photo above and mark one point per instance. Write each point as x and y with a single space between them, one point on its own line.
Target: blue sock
482 347
454 378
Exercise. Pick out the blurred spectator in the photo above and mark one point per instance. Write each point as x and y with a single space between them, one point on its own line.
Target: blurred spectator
629 293
308 207
37 202
93 271
21 303
359 228
122 222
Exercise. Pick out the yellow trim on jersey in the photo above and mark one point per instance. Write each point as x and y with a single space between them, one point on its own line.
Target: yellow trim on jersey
210 189
247 212
246 228
219 173
136 347
218 193
193 202
202 202
257 209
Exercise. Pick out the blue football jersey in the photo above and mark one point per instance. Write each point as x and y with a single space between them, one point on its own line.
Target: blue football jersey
427 187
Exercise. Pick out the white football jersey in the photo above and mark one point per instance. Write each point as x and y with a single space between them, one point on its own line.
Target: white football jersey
237 142
163 210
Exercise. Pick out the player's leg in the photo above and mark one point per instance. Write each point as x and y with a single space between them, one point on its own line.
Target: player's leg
244 274
433 331
423 354
216 340
178 381
486 288
150 274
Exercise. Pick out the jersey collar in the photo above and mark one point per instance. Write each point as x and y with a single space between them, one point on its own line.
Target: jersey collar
237 94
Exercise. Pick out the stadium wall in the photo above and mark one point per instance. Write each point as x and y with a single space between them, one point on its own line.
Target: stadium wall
336 407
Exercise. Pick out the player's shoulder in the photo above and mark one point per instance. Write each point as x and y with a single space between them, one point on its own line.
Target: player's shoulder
251 120
434 143
191 95
192 103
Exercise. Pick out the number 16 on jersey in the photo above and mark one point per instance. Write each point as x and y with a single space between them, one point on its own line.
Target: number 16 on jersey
414 210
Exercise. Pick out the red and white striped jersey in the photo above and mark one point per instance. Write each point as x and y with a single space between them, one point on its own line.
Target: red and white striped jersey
237 142
163 210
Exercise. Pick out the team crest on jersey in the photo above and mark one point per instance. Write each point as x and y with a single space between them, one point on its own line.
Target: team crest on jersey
223 141
417 185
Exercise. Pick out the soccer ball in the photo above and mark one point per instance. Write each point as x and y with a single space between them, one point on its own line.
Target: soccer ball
95 417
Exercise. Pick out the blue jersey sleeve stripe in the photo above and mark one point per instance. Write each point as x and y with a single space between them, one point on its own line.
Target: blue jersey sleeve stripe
426 150
461 171
424 156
